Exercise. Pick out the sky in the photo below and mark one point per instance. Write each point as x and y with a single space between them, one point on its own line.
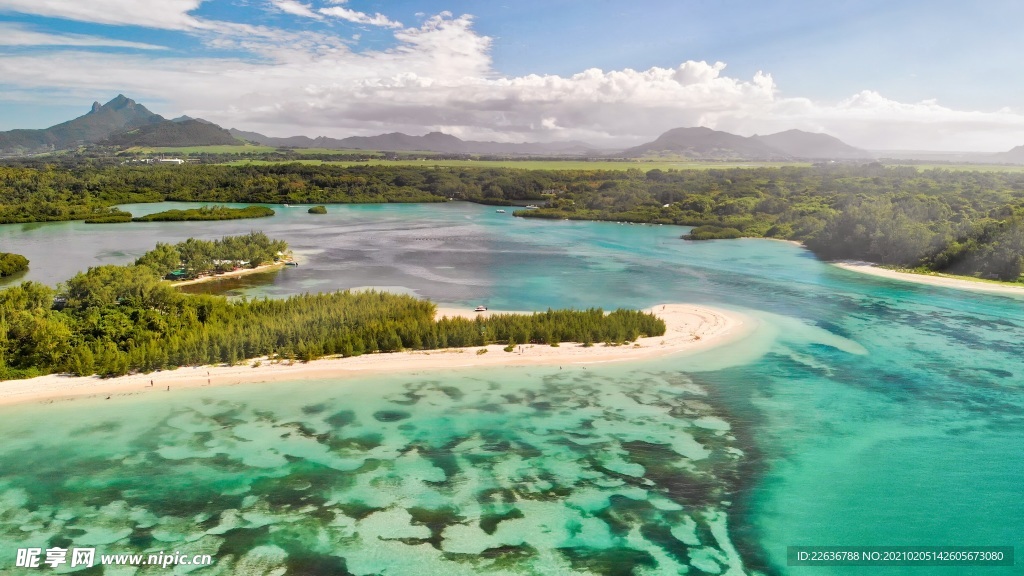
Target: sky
878 74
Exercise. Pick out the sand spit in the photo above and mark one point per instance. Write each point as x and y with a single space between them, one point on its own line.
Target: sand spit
689 328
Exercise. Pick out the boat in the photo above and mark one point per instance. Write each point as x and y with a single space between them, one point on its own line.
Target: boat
532 207
291 263
480 309
500 211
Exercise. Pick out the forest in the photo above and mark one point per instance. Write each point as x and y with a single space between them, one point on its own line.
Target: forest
942 220
112 320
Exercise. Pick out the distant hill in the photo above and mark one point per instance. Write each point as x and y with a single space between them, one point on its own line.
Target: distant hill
102 121
800 144
708 144
1014 156
177 132
437 142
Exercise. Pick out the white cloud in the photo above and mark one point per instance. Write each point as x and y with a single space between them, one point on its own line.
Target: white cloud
166 14
439 76
357 17
296 9
16 35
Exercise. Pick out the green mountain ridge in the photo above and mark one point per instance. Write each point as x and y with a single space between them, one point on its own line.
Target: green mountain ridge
102 121
122 122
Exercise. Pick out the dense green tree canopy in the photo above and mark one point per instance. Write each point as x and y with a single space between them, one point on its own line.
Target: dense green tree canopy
12 264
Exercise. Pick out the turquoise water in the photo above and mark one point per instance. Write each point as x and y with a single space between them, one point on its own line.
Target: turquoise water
862 412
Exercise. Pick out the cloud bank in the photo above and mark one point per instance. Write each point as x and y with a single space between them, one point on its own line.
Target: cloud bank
438 75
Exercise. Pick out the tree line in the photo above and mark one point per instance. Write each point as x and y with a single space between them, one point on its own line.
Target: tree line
113 320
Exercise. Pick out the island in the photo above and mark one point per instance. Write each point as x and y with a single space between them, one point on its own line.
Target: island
11 264
207 213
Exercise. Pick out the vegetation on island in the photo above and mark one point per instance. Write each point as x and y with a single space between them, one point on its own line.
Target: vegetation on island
318 210
712 233
954 221
195 257
207 213
113 216
112 320
11 264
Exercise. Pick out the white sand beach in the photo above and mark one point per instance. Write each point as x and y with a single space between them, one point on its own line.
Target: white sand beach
689 328
231 274
959 283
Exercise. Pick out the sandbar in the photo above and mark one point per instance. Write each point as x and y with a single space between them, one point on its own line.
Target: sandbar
689 328
944 281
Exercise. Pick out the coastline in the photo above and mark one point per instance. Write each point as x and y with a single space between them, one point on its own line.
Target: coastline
689 328
232 274
958 283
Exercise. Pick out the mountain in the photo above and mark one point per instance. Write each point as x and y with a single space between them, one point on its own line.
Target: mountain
705 143
800 144
437 142
177 132
102 121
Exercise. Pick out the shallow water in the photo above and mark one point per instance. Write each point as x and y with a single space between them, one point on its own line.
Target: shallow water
863 412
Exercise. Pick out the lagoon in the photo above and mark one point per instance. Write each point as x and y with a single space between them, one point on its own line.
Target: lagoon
864 411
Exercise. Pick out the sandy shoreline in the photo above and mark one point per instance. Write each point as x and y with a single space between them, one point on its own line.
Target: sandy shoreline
930 280
232 274
689 328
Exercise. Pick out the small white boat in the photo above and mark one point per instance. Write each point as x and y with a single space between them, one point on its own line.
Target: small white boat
532 207
480 309
500 211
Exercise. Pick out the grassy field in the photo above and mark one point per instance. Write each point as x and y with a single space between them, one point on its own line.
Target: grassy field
247 149
545 164
966 167
643 164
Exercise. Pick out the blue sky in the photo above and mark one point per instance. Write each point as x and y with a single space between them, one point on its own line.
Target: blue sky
878 74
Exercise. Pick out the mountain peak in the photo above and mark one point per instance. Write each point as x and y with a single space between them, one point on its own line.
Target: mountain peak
95 107
120 102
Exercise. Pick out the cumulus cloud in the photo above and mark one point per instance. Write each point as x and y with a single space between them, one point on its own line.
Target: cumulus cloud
16 35
439 76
